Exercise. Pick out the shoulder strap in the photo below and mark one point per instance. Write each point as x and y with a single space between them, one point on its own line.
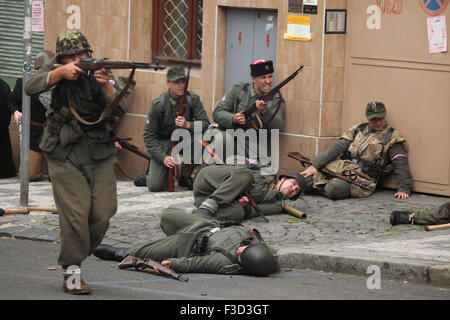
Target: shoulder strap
107 110
385 142
359 128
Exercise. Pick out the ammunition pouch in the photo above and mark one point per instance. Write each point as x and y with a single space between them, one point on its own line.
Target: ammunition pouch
371 169
200 244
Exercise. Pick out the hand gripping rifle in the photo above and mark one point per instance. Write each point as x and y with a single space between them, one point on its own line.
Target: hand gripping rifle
181 109
306 162
268 96
143 264
88 64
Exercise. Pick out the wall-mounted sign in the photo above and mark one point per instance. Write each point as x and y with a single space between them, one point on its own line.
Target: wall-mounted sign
335 21
298 28
37 16
310 6
295 6
437 34
434 7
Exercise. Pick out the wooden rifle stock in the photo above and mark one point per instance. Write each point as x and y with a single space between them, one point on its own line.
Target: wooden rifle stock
305 161
436 227
181 109
134 149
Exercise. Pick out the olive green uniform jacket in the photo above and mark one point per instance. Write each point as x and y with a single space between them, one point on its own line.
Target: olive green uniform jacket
182 229
225 184
241 97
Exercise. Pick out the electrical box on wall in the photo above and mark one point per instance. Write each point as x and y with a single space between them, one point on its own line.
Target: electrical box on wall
336 21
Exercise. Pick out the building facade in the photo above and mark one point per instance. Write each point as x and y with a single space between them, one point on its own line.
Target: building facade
353 52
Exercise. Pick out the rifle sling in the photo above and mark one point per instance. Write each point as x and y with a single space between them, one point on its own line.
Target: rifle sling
108 109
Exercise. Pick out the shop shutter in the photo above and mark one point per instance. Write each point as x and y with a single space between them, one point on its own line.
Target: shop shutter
11 40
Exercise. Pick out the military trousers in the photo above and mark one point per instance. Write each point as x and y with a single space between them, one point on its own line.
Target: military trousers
86 198
173 221
225 184
157 175
438 215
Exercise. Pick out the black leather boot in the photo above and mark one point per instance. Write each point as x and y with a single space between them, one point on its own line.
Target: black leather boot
400 217
186 182
106 252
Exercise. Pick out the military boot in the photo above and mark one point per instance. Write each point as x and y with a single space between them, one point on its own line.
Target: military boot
400 217
106 252
73 283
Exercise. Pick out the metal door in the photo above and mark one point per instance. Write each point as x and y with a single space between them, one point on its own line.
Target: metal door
251 35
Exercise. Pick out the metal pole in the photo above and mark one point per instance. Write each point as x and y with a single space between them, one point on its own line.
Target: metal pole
26 101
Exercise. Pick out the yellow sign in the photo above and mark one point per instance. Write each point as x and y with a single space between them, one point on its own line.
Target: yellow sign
298 28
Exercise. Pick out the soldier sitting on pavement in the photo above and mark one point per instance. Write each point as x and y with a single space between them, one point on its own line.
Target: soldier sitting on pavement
364 153
219 192
162 120
197 245
432 216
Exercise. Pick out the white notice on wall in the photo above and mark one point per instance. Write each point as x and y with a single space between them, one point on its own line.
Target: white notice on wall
437 34
310 2
37 16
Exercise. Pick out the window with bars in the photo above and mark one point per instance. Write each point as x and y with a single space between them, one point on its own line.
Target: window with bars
177 30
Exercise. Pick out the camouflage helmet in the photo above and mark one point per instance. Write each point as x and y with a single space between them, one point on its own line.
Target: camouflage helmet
71 42
257 260
42 58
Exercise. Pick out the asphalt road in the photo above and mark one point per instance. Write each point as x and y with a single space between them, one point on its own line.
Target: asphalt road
29 272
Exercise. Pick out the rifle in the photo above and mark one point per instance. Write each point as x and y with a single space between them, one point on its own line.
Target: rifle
143 264
269 95
133 148
96 64
181 109
305 161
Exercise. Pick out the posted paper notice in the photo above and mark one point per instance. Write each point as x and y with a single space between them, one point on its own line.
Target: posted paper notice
298 28
437 34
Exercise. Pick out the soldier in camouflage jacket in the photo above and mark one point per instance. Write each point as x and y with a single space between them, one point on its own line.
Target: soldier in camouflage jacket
361 147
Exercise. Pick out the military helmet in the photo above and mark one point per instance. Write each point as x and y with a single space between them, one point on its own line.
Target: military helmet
301 182
42 58
257 260
71 42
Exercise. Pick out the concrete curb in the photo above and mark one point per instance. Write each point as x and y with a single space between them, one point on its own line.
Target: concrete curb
399 269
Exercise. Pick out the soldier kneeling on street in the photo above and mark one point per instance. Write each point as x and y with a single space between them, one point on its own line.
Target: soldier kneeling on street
197 245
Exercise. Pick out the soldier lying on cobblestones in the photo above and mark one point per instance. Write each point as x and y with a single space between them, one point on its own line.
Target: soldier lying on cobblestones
197 245
364 153
432 216
225 192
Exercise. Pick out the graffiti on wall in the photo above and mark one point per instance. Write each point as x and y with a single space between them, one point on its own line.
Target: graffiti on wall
390 6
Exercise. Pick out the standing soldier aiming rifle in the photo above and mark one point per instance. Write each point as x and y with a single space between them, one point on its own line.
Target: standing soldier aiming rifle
162 120
78 141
